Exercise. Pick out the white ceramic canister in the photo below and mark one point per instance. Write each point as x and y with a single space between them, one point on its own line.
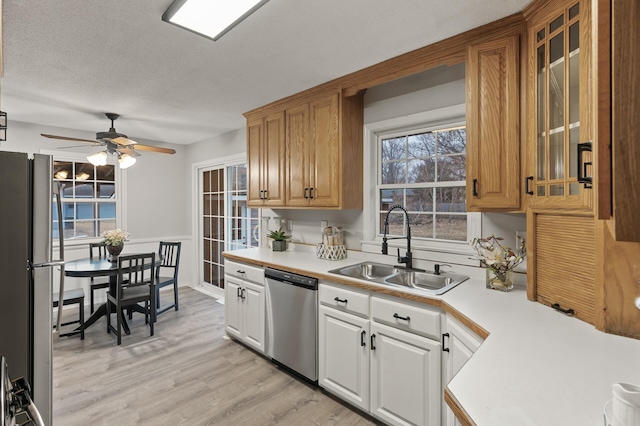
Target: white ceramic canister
626 405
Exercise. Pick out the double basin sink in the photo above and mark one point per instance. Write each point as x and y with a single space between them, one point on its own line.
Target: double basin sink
429 282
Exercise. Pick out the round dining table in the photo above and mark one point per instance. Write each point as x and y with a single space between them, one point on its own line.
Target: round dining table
91 267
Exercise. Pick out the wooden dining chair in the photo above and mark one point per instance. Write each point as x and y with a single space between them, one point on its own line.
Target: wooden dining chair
97 250
169 253
135 284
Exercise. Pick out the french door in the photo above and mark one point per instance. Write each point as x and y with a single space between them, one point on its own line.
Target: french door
226 222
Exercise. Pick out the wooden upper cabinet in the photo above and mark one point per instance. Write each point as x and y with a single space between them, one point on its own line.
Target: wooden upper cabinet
559 97
297 156
323 154
493 125
266 160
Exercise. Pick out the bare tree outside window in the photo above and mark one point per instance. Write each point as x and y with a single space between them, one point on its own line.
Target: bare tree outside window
426 173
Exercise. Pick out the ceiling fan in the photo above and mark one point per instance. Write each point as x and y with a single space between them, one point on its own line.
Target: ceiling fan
117 144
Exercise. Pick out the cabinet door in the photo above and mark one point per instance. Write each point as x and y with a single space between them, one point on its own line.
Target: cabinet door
253 307
233 306
405 377
274 160
560 102
255 129
493 125
324 152
344 356
297 156
461 343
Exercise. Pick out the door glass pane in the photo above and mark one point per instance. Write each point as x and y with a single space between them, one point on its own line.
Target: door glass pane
555 190
556 155
574 75
556 23
541 114
556 82
541 191
574 10
574 189
574 139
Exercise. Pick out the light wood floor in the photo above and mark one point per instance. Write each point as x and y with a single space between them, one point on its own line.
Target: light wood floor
188 373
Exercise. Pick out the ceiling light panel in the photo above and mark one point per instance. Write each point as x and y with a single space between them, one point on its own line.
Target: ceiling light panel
210 18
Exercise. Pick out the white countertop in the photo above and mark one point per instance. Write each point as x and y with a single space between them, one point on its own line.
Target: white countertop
537 367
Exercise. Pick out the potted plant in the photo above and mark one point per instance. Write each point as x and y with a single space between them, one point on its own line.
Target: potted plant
279 240
114 240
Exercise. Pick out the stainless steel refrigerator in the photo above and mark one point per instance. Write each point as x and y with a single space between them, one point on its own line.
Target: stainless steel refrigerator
26 273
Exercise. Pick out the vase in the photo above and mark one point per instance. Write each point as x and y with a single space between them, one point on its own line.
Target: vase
279 245
500 280
114 251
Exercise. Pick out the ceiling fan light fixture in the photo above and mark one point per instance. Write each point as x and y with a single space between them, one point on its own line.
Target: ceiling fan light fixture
126 161
98 159
211 19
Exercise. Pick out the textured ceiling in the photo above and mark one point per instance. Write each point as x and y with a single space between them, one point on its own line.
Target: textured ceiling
66 62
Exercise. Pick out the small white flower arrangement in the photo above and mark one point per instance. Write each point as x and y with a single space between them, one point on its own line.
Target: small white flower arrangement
496 257
114 237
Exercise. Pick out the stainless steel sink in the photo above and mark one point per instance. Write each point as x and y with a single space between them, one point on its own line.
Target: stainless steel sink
367 271
428 282
436 284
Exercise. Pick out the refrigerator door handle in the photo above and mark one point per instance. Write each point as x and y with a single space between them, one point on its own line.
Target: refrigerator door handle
32 265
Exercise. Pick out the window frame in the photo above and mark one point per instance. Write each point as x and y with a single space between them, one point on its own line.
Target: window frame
120 189
441 118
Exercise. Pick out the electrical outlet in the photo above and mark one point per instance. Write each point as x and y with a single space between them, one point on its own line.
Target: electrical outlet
323 224
289 225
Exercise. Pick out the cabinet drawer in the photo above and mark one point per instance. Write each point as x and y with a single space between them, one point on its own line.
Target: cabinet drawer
255 274
345 300
415 319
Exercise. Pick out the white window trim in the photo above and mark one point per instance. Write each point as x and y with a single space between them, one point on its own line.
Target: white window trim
428 119
121 196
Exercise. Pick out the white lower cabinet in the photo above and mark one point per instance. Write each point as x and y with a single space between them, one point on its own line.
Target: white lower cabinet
344 356
244 309
460 344
405 377
383 369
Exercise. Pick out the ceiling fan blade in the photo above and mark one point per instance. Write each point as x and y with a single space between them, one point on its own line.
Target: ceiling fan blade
123 141
65 138
131 152
154 149
78 146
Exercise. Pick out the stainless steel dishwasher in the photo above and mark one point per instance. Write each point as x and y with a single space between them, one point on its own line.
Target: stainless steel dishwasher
292 322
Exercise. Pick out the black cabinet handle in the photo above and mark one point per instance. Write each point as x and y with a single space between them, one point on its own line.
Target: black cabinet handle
373 342
362 343
265 194
242 294
407 318
587 181
337 299
526 185
569 311
240 271
311 193
305 193
475 187
238 292
444 348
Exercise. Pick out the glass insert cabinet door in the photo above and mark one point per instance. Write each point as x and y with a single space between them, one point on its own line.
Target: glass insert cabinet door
563 166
